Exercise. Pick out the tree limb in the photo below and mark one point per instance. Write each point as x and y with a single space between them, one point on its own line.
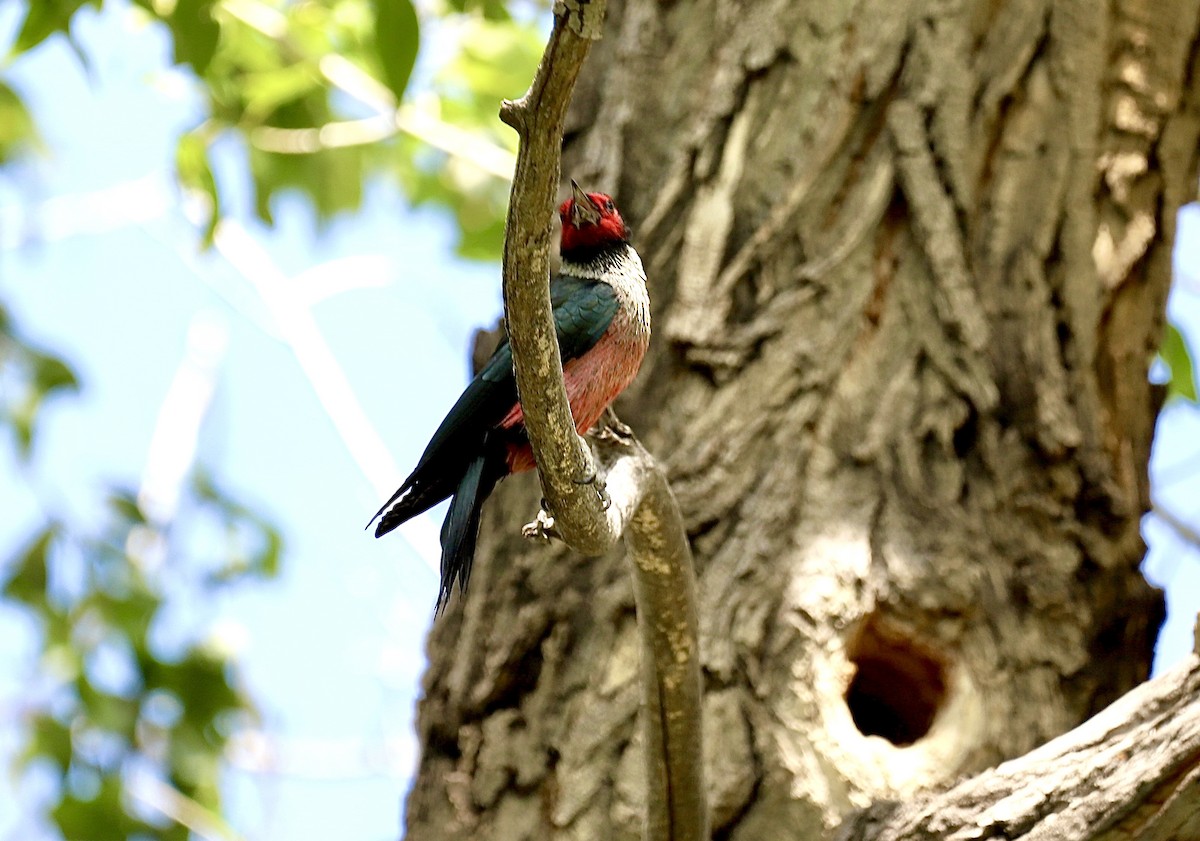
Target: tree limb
1130 772
664 588
539 117
640 497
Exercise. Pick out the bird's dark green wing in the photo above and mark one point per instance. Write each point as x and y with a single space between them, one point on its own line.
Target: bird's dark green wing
583 311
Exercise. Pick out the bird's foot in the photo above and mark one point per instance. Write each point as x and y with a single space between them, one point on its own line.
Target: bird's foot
542 528
598 484
612 429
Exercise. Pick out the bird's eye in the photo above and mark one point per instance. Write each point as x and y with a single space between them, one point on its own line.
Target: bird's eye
609 206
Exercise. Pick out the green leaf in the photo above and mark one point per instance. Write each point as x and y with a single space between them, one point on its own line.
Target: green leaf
482 242
332 179
44 18
31 376
27 584
397 36
253 546
267 561
52 374
491 9
192 758
265 91
50 739
496 59
130 613
17 129
201 683
195 173
204 487
1175 353
196 33
100 817
109 712
124 503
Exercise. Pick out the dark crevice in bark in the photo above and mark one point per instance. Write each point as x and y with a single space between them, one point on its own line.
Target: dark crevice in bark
996 131
442 742
521 677
965 436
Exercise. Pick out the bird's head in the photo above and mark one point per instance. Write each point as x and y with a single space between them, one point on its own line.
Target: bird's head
590 221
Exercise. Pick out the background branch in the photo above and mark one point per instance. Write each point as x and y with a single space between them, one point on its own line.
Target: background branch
641 499
1132 771
1177 523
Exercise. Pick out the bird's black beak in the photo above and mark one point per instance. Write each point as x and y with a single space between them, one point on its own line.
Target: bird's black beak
583 211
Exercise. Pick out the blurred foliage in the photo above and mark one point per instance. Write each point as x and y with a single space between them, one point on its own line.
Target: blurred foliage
311 90
17 131
495 60
115 699
28 377
1175 353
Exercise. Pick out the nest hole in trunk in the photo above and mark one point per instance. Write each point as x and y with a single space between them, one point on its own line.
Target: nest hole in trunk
898 685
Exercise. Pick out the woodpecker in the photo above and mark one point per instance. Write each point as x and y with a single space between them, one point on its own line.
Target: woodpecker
602 318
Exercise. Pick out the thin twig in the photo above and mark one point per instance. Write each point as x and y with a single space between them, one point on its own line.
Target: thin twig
170 801
173 444
298 328
338 134
1177 523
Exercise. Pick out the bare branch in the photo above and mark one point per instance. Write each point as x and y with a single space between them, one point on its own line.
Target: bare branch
539 117
183 810
1177 523
299 330
1132 771
641 499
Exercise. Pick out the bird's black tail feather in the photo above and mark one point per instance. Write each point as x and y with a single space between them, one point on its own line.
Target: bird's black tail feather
460 529
415 496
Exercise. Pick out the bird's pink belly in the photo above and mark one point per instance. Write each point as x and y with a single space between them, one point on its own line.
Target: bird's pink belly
593 381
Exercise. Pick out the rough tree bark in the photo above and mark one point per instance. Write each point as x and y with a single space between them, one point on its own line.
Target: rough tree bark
908 263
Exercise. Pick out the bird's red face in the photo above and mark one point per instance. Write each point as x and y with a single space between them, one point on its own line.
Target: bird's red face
590 221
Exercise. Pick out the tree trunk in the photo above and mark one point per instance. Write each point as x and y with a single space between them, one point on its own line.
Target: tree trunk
908 263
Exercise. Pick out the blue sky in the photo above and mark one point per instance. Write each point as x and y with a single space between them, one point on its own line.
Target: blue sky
99 262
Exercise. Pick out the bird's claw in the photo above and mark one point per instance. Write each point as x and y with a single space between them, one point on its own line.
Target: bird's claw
542 528
612 429
601 490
